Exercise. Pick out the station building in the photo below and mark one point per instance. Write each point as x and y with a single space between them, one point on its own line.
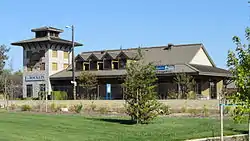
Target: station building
47 67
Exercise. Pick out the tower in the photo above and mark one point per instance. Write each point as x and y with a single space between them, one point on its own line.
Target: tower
44 55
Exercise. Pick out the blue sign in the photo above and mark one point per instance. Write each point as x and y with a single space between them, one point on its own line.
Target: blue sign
160 68
108 91
165 68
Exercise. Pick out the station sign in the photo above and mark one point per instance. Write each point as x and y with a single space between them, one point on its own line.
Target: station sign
165 68
34 78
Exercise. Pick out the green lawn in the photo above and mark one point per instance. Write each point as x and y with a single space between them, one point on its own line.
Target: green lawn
38 127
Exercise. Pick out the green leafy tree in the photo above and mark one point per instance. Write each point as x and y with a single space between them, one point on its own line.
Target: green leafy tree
186 83
239 64
88 82
140 90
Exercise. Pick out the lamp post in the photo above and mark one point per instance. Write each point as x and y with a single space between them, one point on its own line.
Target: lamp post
73 62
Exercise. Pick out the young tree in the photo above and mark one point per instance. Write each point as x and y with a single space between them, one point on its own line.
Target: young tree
140 90
88 82
186 83
3 56
239 63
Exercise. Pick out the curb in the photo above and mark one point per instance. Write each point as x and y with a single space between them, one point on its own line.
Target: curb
218 138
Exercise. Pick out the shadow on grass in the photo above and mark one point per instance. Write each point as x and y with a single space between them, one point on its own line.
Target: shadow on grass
120 121
238 131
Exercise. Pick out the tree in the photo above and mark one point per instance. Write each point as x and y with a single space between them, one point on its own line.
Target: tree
3 56
239 64
186 83
140 90
88 82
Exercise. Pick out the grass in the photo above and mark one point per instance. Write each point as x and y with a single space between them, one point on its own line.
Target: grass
40 127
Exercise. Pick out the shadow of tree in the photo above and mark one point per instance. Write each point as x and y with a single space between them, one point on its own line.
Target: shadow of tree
120 121
238 130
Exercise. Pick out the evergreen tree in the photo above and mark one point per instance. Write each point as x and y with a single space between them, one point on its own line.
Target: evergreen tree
140 90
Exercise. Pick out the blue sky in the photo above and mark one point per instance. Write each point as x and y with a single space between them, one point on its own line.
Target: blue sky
109 24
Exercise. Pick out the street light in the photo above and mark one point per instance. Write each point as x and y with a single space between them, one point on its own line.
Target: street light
73 62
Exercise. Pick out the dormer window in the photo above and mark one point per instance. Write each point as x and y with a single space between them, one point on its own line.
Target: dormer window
122 63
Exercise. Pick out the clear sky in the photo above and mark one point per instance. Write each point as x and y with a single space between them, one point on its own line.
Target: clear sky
109 24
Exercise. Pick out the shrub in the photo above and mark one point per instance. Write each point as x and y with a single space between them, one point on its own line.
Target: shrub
193 111
164 109
13 106
78 108
59 95
53 107
191 95
227 110
183 109
26 108
103 110
205 111
92 106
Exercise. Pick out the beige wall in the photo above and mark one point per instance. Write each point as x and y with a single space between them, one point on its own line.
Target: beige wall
201 58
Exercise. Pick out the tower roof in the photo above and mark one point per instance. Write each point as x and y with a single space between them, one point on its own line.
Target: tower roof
47 28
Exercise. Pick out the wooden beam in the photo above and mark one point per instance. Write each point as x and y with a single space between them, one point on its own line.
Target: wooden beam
39 45
28 46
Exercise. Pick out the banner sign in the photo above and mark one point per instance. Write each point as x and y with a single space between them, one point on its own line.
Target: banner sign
34 78
165 68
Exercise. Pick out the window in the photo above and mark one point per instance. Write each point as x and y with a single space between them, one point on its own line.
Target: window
42 87
54 66
107 64
41 34
54 53
115 65
42 53
86 66
29 67
79 65
42 66
122 63
100 66
65 66
198 88
29 90
93 65
28 54
65 55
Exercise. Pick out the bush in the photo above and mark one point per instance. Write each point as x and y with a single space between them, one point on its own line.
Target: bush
191 95
13 106
53 107
26 108
59 95
164 110
183 109
205 111
78 108
193 111
92 106
103 110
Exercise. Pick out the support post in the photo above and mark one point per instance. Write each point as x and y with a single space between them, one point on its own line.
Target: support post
221 122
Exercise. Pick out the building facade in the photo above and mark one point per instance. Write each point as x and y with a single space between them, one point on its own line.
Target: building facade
47 67
43 56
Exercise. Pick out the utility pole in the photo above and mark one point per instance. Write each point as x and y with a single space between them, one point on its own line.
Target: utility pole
73 61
